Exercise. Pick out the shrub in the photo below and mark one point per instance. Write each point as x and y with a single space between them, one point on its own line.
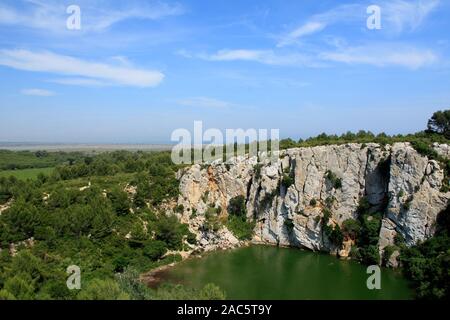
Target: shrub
237 207
326 215
335 181
387 253
370 255
351 228
424 149
98 289
171 231
211 292
212 222
336 236
287 181
119 200
179 292
313 202
363 206
329 201
154 249
179 208
240 227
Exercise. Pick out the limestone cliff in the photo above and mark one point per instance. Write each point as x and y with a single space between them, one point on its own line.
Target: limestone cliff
395 180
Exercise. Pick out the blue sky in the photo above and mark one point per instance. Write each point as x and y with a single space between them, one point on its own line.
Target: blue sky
137 70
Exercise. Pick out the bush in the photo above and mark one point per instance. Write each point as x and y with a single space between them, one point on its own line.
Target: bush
242 229
179 208
98 289
424 149
336 236
179 292
237 207
155 249
335 181
351 228
287 181
212 222
169 230
313 202
119 200
370 254
387 253
363 206
329 201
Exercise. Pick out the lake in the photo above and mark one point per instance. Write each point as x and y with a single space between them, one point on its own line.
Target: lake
267 272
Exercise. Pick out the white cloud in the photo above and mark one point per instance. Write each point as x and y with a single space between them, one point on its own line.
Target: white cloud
318 22
69 66
85 82
95 15
396 15
383 55
37 92
205 102
268 57
400 14
304 30
380 55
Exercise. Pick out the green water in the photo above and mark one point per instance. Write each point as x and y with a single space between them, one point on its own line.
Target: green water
264 272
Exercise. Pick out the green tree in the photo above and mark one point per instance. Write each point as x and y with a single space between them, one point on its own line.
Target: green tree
98 289
351 228
440 123
155 249
119 200
20 287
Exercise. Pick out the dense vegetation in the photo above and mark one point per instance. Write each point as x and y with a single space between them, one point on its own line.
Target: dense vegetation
237 220
428 264
10 160
81 215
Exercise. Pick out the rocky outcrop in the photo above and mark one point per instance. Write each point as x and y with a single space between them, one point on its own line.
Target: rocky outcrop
287 197
414 194
6 206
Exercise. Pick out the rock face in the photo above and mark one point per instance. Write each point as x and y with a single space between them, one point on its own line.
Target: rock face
394 179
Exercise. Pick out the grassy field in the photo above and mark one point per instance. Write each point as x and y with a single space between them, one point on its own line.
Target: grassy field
24 174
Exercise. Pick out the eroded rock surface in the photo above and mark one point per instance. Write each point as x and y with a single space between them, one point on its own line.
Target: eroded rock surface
394 179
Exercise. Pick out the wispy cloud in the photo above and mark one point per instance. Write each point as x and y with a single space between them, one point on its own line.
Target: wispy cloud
379 55
269 57
96 15
397 16
37 92
382 55
318 22
205 102
106 74
409 15
84 82
304 30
